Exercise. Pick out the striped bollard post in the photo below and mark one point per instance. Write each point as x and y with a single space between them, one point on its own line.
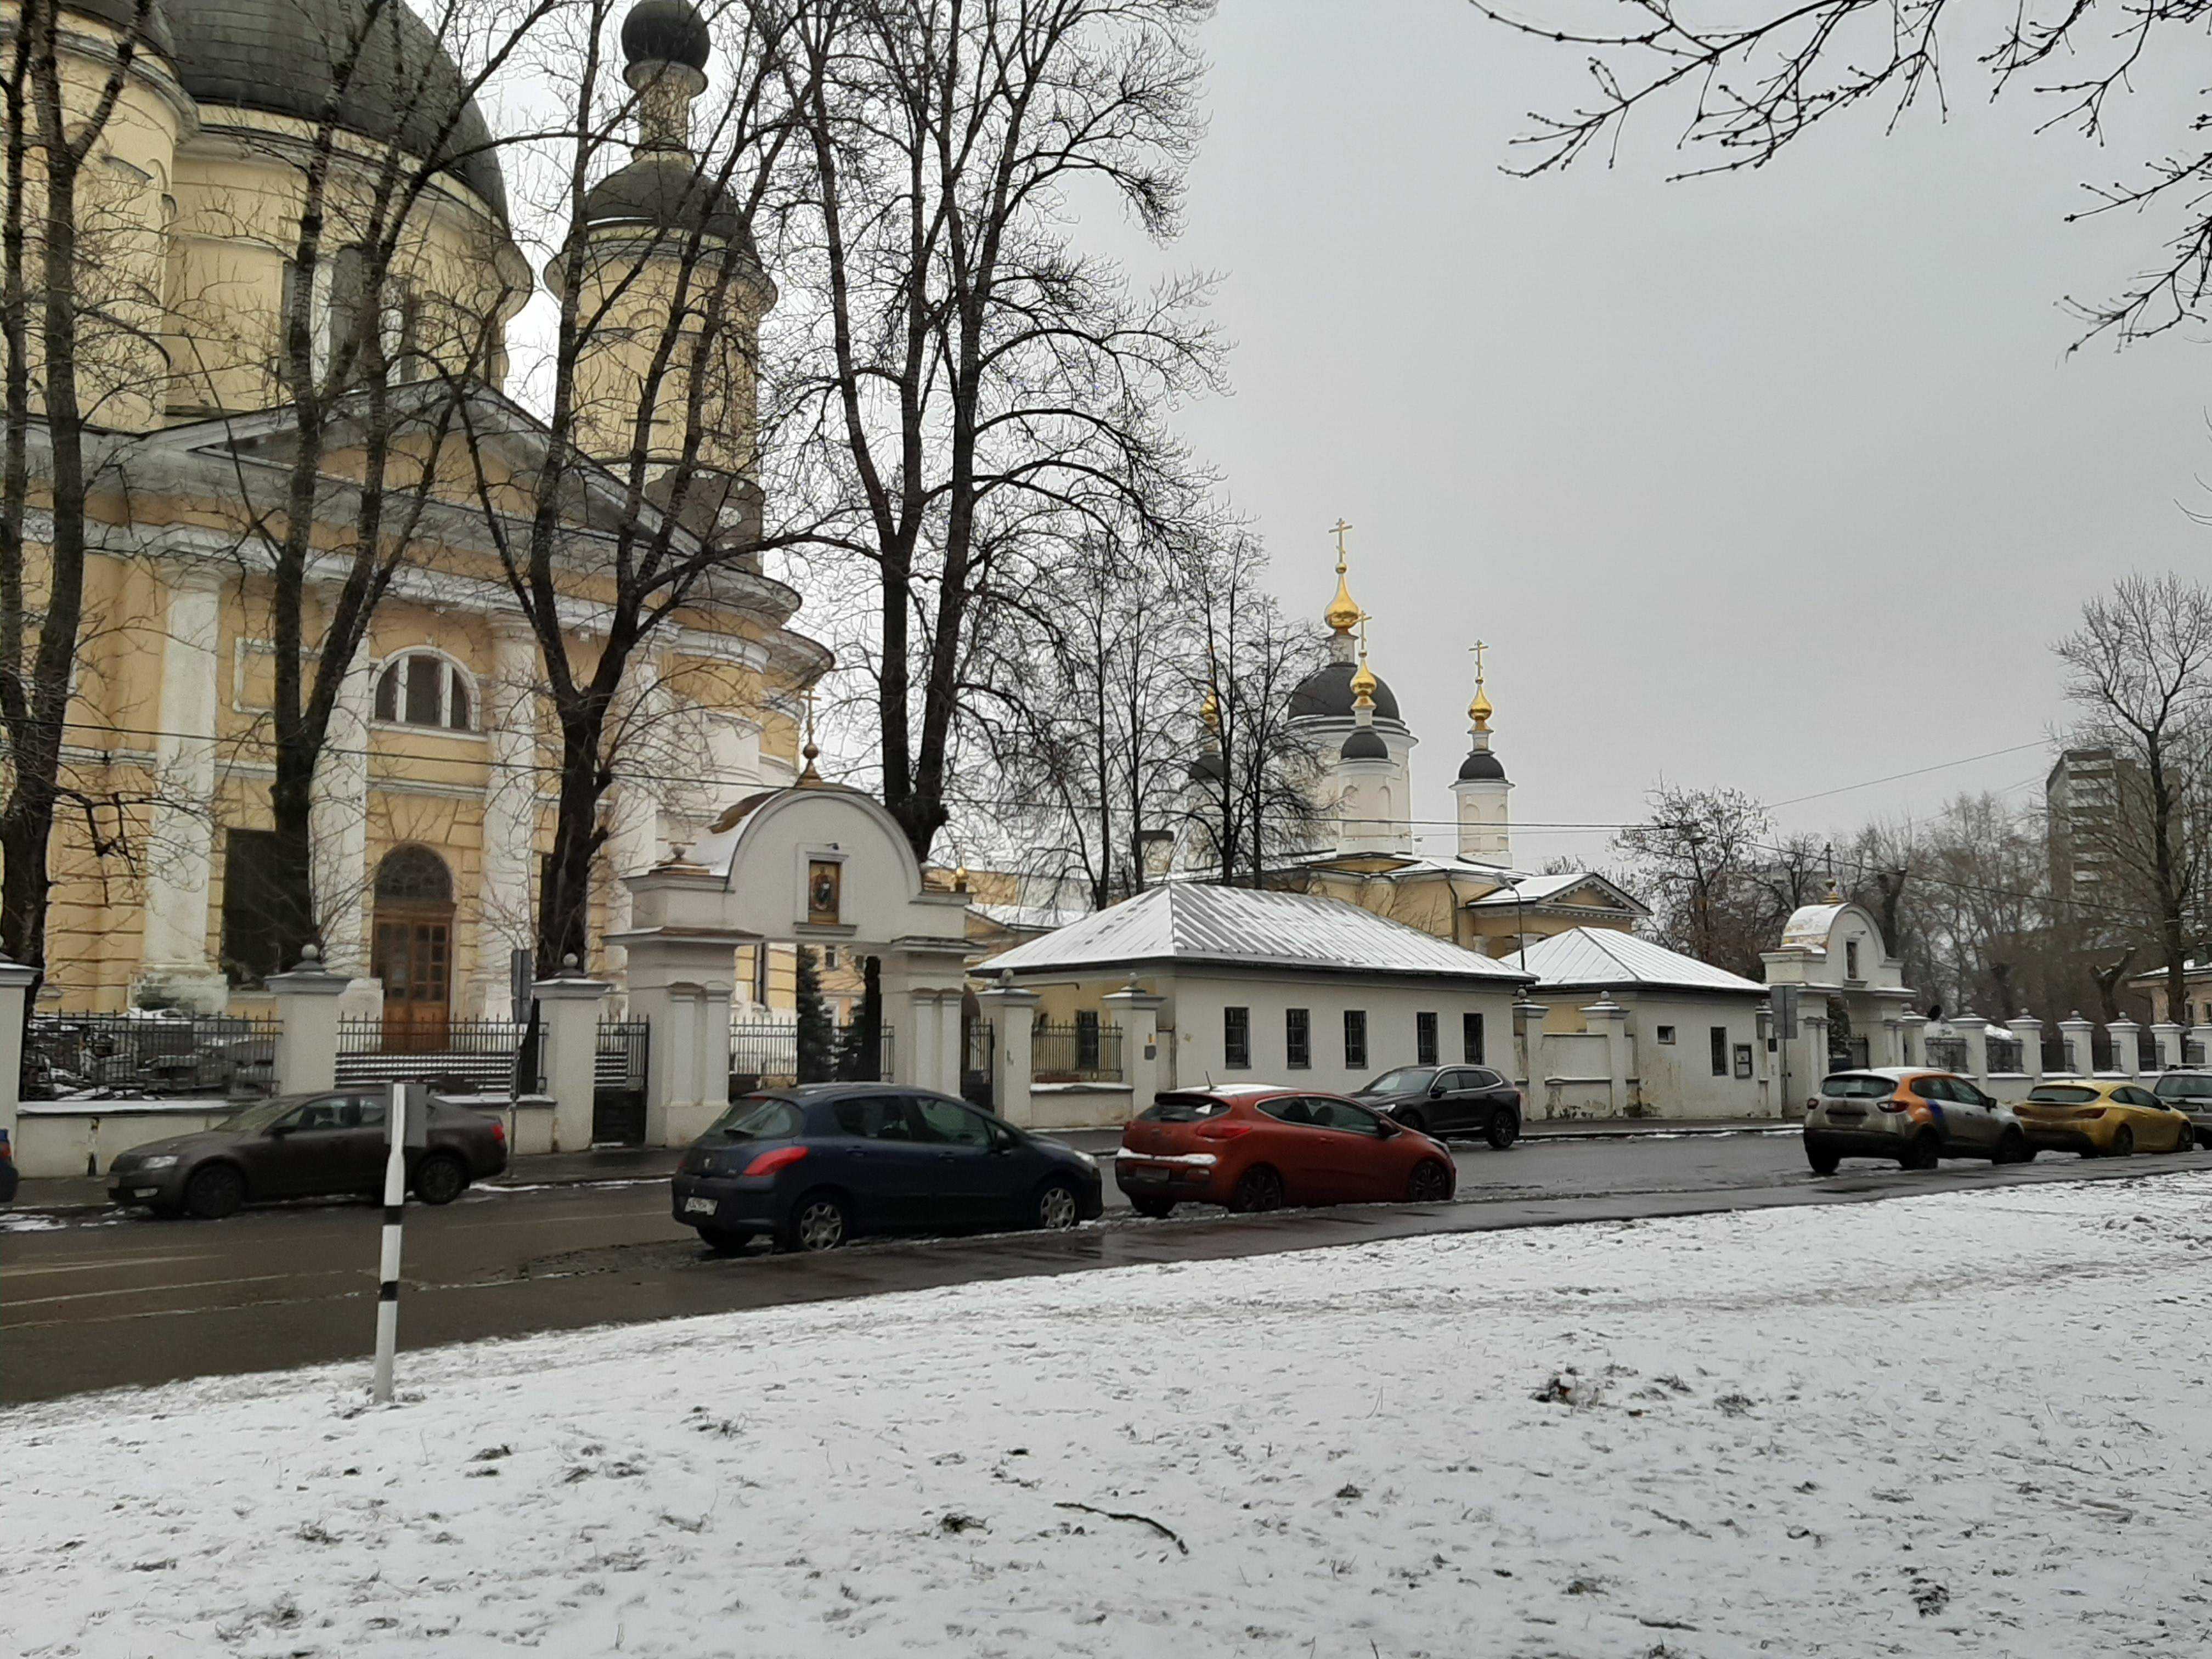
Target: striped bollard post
395 1204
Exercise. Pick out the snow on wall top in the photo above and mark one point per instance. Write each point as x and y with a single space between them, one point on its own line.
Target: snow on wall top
1188 922
1603 956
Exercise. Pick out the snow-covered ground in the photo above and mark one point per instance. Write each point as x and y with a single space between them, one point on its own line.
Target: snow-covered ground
1963 1424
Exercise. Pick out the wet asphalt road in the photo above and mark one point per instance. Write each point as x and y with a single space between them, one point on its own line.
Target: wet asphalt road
94 1300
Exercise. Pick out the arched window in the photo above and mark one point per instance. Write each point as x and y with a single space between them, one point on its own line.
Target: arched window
422 688
414 875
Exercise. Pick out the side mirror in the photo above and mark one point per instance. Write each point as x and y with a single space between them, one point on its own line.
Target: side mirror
1437 1088
278 1131
1391 1127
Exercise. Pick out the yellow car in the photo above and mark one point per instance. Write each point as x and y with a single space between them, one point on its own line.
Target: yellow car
2102 1118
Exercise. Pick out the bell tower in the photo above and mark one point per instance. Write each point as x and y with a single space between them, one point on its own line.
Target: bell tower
1484 833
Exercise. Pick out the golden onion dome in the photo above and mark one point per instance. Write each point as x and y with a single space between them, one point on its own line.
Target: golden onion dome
1480 710
1363 685
1343 612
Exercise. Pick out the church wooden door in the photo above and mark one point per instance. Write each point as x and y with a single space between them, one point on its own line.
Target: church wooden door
413 950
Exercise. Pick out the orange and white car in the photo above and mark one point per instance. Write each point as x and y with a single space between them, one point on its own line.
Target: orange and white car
1909 1115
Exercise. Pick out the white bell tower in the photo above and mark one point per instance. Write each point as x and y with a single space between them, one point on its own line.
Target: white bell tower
1486 834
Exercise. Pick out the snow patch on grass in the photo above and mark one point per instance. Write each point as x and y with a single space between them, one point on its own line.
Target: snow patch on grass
1963 1424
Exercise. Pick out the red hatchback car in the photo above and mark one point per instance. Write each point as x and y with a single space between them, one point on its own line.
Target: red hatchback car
1261 1147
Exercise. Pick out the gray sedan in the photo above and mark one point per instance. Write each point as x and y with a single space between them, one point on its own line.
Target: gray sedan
304 1147
2192 1092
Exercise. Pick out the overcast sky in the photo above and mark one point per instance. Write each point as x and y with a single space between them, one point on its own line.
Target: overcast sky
1782 481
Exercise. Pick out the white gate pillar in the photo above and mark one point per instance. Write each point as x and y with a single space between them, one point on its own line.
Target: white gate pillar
681 973
1609 1020
2079 1058
2028 1031
1137 1013
306 1055
1975 1030
2127 1051
568 1014
14 985
2168 1036
1912 1038
1012 1014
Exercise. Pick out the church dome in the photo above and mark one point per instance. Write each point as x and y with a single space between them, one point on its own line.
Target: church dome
1480 765
664 191
665 31
1364 744
123 14
282 57
1326 694
1208 768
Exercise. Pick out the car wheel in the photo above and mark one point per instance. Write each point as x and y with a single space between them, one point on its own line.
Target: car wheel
1504 1128
817 1222
2186 1141
441 1178
723 1241
2012 1148
1056 1206
215 1192
1924 1152
1823 1162
1259 1189
2124 1142
1430 1183
1153 1209
1411 1119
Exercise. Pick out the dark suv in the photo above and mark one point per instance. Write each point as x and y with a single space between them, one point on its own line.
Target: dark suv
810 1166
2192 1092
1448 1100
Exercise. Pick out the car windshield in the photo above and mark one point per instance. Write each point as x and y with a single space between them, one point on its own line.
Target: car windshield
2185 1088
2059 1094
757 1117
1183 1108
251 1119
1850 1087
1405 1080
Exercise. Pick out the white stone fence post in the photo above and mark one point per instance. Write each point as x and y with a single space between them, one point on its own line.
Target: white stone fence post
307 1049
15 983
1012 1014
568 1015
2075 1031
2027 1032
1136 1012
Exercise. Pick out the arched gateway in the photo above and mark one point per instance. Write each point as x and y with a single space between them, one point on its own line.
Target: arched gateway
816 863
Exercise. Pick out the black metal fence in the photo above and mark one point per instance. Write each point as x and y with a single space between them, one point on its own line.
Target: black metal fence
141 1055
2148 1058
1077 1051
2006 1055
1947 1053
473 1056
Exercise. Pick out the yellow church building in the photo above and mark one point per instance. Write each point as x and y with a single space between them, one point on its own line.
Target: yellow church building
434 801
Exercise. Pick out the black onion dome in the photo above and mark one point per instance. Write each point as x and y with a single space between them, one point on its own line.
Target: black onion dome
1364 744
1208 768
1326 694
123 14
1480 764
664 190
282 57
665 31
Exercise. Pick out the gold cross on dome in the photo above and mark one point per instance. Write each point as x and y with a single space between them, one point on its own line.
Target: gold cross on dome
1478 648
1340 527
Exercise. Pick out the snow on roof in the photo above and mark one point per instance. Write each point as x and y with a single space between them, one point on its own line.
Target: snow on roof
1038 918
1242 925
1606 957
1544 889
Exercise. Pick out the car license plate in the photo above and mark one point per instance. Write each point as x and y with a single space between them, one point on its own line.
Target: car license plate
1141 1174
700 1206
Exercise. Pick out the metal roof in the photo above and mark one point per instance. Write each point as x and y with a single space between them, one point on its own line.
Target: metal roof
1248 927
1596 957
1545 890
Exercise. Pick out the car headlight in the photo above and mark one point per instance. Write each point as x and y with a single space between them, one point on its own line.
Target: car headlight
166 1161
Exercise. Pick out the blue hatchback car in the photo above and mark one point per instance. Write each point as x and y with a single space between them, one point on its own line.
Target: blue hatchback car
814 1165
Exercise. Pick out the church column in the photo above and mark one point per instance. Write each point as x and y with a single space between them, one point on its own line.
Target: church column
176 963
338 821
510 815
633 839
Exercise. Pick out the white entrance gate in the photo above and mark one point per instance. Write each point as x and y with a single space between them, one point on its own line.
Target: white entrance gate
817 864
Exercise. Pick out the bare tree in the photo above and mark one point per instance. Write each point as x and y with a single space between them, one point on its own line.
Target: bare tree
992 391
647 499
80 351
1697 858
2140 667
1743 87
